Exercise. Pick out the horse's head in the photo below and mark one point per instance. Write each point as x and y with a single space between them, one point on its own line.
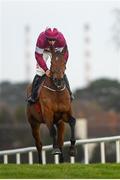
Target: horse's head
57 69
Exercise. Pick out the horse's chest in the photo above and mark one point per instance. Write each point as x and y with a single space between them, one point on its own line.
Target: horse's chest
60 107
56 103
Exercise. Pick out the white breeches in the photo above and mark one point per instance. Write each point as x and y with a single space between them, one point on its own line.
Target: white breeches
39 70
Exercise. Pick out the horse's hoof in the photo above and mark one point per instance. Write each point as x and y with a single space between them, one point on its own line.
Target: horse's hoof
72 151
56 151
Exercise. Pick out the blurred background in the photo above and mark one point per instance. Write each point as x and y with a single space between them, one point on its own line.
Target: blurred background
92 32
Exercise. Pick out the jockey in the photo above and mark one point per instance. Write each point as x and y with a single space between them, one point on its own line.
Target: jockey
45 40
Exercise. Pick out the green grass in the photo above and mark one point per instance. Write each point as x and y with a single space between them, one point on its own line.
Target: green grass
61 171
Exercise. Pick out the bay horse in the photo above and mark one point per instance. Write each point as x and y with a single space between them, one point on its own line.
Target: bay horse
55 108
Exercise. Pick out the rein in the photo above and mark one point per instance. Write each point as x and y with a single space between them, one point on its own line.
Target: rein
54 89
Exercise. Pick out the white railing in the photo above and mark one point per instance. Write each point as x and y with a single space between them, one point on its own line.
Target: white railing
84 142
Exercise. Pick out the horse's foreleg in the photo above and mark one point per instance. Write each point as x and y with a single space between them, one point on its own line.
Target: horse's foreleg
60 138
53 134
36 134
72 122
48 116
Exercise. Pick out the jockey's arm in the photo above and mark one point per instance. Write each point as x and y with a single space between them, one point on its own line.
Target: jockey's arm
40 61
39 52
63 44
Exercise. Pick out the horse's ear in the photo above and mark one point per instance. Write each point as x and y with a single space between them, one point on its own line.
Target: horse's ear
64 49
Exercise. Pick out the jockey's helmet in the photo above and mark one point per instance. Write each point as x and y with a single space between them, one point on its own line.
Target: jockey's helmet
51 34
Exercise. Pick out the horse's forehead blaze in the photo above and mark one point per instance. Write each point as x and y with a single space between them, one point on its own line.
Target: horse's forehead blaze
56 58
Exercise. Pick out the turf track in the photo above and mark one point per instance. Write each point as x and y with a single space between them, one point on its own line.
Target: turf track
75 171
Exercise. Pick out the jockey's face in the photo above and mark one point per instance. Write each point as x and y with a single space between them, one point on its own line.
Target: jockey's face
51 42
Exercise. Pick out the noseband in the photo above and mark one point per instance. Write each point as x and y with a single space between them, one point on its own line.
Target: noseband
57 86
54 90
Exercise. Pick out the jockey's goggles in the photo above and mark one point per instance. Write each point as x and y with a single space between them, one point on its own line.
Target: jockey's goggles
51 39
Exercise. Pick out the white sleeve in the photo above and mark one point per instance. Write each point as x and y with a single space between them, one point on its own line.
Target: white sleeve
39 50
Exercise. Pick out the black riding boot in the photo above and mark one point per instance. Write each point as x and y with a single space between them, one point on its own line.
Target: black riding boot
35 86
68 87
